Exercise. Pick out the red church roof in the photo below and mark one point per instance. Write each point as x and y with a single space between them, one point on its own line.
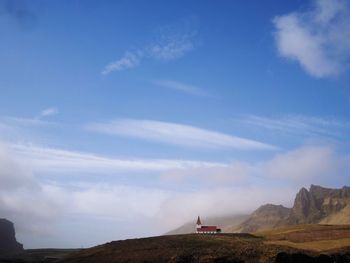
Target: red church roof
208 229
199 221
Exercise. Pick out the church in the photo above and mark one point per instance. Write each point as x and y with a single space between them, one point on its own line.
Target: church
200 229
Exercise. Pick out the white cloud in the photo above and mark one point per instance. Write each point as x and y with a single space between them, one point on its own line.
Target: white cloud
177 134
299 124
236 173
43 159
306 165
172 42
22 199
128 61
303 166
186 88
48 112
317 39
171 47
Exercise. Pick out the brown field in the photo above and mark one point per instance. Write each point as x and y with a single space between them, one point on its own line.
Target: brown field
321 238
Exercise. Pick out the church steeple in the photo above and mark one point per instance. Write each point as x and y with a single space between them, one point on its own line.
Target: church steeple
199 223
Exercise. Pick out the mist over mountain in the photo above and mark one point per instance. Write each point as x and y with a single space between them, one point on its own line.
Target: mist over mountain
318 205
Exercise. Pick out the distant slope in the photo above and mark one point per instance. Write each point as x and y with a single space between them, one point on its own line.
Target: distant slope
265 217
226 223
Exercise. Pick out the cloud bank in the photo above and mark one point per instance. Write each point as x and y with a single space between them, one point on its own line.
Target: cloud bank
318 39
22 199
47 213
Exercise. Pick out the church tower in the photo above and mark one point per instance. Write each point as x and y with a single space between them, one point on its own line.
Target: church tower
199 224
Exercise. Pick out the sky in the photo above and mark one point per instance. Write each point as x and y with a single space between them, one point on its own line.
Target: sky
125 119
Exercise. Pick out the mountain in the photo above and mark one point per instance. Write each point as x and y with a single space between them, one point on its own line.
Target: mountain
226 223
318 205
321 204
265 217
8 242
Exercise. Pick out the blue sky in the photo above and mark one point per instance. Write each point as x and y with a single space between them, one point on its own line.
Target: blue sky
112 111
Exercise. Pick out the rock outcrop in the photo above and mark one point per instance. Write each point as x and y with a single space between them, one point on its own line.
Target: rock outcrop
8 242
317 204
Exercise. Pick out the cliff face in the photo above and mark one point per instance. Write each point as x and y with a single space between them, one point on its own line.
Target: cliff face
8 242
318 203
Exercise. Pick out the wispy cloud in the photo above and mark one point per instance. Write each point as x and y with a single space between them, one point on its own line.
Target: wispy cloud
48 112
299 124
174 41
171 42
318 39
182 87
44 159
177 134
129 60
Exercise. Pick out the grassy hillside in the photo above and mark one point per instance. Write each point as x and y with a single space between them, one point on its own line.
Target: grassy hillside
180 248
303 243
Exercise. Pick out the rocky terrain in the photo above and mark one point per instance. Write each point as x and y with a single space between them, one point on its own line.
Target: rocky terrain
8 242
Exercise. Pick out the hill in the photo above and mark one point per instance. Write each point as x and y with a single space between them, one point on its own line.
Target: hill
294 244
265 217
